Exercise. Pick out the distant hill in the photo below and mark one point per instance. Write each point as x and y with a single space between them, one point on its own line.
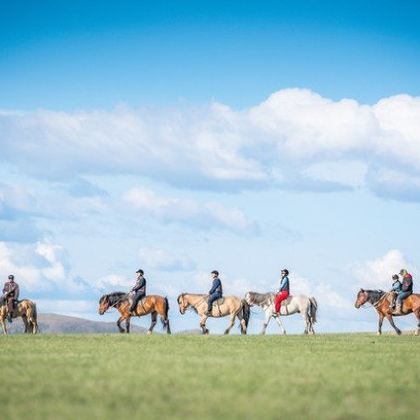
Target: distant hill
54 323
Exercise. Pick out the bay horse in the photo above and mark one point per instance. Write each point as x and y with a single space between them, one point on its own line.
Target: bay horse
381 301
150 304
229 305
306 306
26 309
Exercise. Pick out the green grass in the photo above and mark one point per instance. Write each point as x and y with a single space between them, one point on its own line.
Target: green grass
159 377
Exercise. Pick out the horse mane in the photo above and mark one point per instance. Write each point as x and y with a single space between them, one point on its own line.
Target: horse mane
374 295
259 298
115 297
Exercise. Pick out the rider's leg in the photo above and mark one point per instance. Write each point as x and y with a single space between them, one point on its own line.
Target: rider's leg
136 300
9 309
279 299
400 298
213 297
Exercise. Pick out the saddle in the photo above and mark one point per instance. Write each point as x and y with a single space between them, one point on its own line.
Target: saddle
218 302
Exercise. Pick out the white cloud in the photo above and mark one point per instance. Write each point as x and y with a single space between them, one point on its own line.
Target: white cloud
113 282
215 147
377 273
41 267
188 211
161 260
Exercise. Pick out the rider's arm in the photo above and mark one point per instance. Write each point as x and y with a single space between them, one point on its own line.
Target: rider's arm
283 282
215 285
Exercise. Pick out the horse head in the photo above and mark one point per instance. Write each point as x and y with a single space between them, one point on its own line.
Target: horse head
182 303
361 298
103 304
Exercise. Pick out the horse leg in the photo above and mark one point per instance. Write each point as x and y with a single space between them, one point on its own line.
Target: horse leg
3 324
168 328
127 325
266 322
231 324
242 322
380 321
26 324
119 325
203 325
280 325
391 321
417 313
153 323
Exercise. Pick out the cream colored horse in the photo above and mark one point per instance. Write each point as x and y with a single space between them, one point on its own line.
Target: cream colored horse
229 305
25 309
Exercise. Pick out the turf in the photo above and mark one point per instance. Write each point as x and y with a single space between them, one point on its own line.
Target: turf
160 377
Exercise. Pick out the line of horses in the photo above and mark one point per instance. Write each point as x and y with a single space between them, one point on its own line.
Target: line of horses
235 307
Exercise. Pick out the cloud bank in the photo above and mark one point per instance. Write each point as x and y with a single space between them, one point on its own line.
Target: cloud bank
272 144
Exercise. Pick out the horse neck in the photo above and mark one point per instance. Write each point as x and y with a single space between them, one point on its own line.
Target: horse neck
262 298
193 299
374 296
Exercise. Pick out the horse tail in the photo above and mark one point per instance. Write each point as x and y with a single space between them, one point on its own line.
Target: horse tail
313 307
246 312
164 318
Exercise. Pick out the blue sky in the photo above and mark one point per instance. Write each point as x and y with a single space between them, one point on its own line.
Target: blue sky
187 136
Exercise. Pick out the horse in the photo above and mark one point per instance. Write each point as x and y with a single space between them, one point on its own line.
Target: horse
381 301
26 309
229 305
305 305
150 304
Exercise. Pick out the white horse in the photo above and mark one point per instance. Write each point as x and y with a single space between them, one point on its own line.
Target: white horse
307 306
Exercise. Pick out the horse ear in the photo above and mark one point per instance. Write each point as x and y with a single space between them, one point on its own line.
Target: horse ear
362 290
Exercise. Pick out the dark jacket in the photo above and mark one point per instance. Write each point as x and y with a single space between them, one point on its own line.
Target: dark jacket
140 286
216 287
11 289
407 283
284 285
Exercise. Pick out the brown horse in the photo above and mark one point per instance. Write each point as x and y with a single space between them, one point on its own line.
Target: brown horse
25 309
153 304
381 301
229 305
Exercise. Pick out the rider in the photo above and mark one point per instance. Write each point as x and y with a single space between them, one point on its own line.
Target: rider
396 287
406 289
283 291
216 291
11 294
139 291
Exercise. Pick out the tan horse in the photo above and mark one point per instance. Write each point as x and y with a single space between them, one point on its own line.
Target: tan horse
25 309
381 301
151 304
229 305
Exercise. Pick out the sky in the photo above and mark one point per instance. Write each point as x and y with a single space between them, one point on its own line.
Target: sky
182 137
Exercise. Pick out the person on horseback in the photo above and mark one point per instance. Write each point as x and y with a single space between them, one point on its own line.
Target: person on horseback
139 291
406 289
396 288
216 291
11 295
283 290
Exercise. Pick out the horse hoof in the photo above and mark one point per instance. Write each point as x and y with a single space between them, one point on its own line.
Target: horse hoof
149 332
399 332
417 332
378 333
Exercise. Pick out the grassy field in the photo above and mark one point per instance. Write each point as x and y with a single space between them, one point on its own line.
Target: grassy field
159 377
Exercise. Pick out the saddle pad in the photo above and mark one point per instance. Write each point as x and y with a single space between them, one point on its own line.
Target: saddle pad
219 302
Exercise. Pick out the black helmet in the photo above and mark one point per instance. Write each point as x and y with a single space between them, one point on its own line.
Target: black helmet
140 271
11 277
395 277
215 272
285 271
